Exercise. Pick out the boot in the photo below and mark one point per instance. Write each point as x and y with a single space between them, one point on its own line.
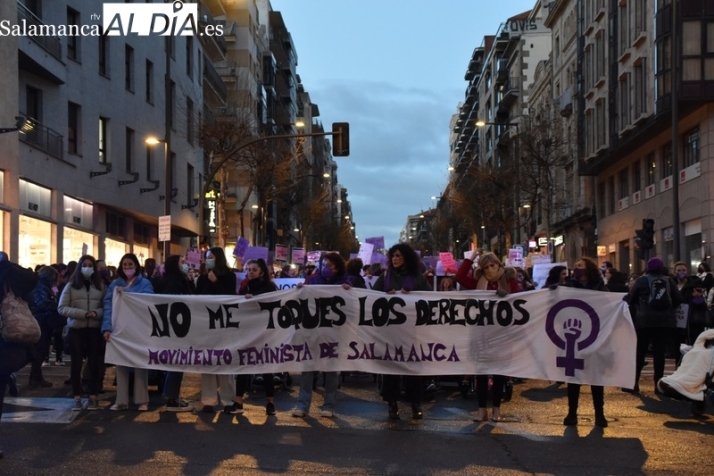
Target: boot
599 404
573 396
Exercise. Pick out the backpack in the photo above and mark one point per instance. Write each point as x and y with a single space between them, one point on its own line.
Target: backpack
659 298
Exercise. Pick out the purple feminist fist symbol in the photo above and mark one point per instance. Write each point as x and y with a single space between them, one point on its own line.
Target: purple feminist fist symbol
572 331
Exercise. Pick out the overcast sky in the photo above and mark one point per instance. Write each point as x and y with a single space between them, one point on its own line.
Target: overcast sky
393 69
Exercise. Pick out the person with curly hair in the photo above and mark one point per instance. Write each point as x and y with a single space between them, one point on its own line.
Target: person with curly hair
403 275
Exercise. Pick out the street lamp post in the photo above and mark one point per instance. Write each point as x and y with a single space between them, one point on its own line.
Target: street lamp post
517 195
168 186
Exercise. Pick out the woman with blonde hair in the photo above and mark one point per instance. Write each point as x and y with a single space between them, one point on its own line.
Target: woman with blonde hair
490 275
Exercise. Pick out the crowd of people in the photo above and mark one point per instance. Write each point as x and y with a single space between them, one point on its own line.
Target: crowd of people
73 305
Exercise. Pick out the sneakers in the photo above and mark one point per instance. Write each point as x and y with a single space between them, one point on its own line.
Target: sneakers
270 408
78 407
235 409
173 405
92 405
393 411
59 362
327 413
144 407
299 413
118 407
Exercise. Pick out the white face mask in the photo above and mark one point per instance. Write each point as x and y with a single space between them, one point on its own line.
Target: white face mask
87 272
210 263
185 268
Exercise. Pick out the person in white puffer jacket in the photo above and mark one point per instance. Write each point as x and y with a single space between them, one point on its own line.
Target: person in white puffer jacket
82 302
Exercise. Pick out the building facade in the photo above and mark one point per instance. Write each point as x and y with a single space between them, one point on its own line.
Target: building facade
78 176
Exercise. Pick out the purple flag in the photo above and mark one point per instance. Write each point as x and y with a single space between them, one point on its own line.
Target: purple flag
241 246
255 252
377 241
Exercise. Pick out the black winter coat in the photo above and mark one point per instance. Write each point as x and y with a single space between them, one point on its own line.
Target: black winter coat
647 317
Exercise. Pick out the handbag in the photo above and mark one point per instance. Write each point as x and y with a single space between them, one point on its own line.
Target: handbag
18 324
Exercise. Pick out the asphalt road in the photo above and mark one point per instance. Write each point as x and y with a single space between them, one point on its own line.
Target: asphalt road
647 435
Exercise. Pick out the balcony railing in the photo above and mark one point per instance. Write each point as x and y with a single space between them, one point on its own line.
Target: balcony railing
42 137
214 79
51 44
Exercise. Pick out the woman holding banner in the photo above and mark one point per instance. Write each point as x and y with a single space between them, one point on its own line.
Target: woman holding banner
332 271
402 275
218 279
490 275
586 275
256 282
129 280
175 280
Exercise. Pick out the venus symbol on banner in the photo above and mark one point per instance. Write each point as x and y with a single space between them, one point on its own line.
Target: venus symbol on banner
573 331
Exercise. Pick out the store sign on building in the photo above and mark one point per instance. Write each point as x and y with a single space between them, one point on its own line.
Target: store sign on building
623 203
212 212
636 197
649 191
691 172
602 250
542 241
523 25
665 183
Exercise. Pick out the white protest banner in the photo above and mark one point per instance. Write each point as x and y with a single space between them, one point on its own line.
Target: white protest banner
365 252
570 335
287 283
539 259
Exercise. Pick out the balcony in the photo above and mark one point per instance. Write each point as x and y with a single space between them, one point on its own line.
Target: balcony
51 44
214 80
214 45
42 138
566 103
501 71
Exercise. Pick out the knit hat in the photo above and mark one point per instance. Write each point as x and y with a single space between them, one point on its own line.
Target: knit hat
655 265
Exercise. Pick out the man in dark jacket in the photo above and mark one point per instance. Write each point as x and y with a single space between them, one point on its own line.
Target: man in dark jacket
653 324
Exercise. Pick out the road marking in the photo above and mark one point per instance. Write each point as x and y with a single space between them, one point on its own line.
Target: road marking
38 410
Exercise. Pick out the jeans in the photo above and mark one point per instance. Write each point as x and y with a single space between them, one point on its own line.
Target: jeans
305 396
172 385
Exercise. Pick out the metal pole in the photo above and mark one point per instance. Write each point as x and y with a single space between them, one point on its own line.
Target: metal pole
168 185
674 97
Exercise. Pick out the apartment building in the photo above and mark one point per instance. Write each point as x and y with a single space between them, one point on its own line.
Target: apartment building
630 84
78 177
494 108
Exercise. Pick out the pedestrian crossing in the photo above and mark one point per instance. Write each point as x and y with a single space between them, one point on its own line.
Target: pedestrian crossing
38 410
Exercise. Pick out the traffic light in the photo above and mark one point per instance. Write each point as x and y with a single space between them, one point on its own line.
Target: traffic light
649 232
644 241
340 139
